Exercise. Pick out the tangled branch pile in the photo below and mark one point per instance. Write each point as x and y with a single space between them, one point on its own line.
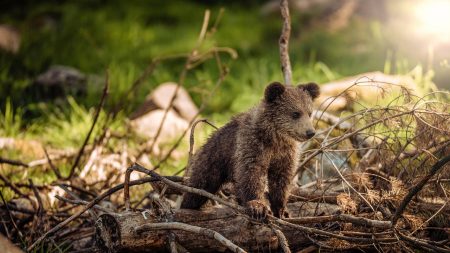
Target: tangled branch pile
379 179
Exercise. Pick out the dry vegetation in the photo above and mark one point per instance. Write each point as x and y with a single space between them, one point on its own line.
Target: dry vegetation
380 181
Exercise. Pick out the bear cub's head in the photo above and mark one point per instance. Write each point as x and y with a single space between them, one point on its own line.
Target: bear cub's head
290 109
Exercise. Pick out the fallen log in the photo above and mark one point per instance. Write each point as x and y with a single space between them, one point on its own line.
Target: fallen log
125 232
7 246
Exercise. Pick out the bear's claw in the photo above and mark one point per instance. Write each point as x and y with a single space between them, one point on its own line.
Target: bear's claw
258 210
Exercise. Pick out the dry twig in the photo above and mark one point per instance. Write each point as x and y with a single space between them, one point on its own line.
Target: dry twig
86 140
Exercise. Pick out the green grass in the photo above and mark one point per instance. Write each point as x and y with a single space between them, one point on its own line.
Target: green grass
123 38
10 120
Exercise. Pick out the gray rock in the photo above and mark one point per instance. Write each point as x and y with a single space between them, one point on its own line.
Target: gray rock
62 75
59 81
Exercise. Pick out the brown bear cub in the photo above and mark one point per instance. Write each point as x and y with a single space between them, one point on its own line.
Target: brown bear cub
257 151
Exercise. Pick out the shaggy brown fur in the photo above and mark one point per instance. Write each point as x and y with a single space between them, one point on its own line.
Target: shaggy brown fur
257 150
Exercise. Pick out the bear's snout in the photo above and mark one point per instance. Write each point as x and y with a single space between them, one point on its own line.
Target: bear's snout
310 134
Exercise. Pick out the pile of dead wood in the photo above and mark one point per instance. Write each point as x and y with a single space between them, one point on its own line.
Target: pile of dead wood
389 192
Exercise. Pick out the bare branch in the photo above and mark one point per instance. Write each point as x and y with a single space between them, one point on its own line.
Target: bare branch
86 140
281 239
341 217
284 43
191 137
194 229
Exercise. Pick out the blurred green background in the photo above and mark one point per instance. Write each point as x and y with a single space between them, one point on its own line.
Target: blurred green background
330 40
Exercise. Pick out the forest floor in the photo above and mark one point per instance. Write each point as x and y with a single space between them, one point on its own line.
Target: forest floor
376 171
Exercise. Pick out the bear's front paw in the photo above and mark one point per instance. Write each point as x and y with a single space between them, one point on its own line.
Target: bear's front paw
258 210
281 213
285 214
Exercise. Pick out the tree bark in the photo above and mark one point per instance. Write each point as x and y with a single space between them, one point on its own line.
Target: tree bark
7 246
117 232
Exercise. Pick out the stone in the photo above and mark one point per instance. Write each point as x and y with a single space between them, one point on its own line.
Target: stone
148 124
58 82
160 99
371 86
59 75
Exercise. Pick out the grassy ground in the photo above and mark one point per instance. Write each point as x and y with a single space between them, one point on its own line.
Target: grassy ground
123 37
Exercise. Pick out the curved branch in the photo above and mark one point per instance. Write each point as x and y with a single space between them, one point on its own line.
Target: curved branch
189 228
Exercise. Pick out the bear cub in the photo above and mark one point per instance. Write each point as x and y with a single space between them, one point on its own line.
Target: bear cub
257 151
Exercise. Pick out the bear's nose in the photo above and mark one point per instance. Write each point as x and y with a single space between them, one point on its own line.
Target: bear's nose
310 134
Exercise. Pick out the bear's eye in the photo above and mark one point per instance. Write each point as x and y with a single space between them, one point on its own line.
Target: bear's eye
296 115
309 114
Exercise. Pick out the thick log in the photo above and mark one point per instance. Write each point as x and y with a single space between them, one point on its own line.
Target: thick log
117 232
7 246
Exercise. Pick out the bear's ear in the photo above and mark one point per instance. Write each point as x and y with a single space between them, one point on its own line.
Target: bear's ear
312 89
273 91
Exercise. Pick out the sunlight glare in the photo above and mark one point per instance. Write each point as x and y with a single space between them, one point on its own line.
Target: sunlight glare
434 18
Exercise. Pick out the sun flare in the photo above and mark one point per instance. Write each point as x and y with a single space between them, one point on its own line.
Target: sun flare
434 18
